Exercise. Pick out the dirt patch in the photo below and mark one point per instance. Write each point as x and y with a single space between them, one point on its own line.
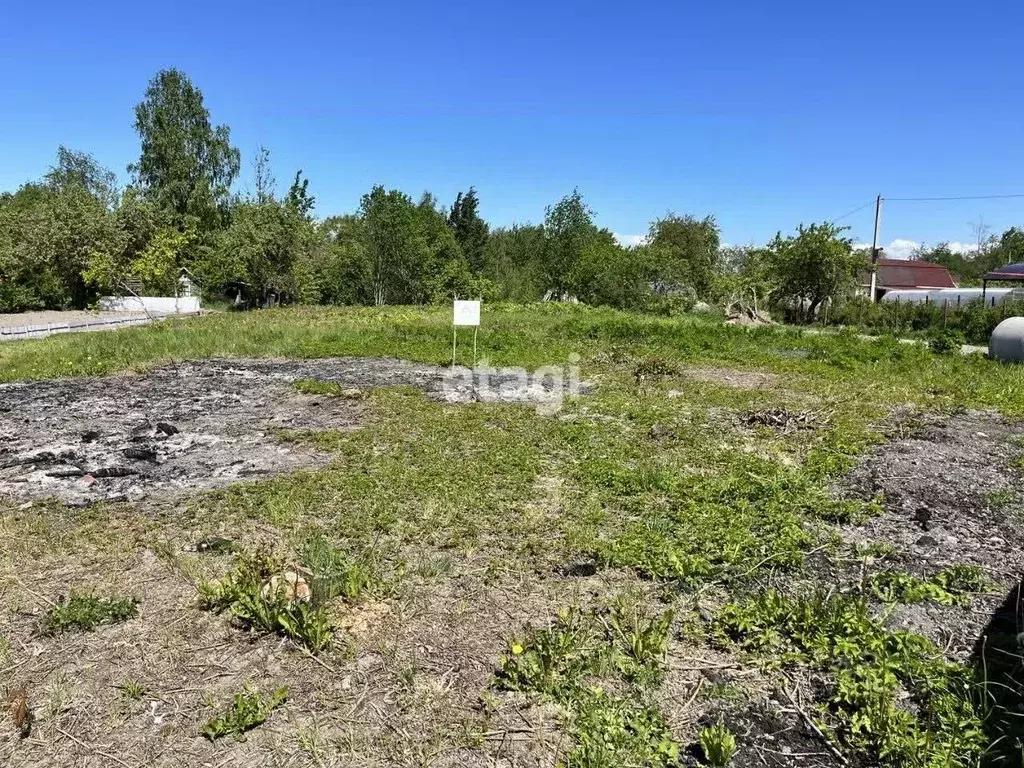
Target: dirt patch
950 494
196 426
732 377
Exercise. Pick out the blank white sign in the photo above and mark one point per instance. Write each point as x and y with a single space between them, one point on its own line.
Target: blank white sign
467 313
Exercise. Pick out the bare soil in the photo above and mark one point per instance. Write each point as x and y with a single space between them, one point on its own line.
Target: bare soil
195 426
951 494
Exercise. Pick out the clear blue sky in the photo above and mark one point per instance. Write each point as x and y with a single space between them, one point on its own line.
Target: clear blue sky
765 114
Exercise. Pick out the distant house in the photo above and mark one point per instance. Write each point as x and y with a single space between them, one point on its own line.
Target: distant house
905 275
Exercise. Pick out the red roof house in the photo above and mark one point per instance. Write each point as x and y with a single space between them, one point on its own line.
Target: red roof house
906 274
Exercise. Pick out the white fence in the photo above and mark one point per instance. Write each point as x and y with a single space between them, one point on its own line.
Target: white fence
158 305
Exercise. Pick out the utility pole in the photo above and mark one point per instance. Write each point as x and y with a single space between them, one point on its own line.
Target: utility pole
874 248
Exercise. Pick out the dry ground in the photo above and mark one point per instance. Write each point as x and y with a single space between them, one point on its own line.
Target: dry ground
409 684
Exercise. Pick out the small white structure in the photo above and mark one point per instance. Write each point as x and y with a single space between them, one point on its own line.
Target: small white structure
157 305
1007 341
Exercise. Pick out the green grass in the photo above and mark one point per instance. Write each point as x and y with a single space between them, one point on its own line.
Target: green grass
84 611
616 647
429 491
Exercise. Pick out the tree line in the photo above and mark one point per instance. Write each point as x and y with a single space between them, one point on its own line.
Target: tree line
75 235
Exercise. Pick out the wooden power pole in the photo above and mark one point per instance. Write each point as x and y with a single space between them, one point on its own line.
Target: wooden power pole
874 248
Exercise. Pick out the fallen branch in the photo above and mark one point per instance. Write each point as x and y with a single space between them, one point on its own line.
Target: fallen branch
814 727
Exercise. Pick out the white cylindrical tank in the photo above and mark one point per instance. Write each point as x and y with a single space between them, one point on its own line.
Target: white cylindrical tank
1007 341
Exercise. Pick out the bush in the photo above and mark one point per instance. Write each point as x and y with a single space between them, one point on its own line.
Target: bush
945 341
974 322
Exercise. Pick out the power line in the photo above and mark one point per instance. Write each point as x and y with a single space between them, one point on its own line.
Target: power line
850 213
965 197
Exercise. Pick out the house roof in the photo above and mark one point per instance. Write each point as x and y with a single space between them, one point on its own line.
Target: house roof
1009 272
896 274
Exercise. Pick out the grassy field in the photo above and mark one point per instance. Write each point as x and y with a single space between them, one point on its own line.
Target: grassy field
660 573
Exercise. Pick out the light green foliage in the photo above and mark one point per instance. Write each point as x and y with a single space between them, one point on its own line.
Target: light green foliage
613 731
84 611
564 663
872 665
156 265
248 709
952 586
80 169
718 745
569 231
810 267
696 503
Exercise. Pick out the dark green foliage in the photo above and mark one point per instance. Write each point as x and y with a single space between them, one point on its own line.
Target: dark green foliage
973 322
84 611
334 572
871 666
187 165
260 596
513 262
471 231
683 251
945 341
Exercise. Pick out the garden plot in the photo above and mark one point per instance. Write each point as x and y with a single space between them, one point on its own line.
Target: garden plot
199 425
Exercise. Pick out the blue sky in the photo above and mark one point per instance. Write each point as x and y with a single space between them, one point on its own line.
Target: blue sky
763 114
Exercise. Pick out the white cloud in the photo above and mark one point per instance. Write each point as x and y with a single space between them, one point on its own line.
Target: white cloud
628 241
901 248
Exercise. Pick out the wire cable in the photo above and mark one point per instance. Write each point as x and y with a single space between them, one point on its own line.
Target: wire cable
932 199
850 213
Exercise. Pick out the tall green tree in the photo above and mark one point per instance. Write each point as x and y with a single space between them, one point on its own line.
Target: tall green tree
514 262
610 275
683 251
471 231
816 264
187 165
81 169
568 231
47 238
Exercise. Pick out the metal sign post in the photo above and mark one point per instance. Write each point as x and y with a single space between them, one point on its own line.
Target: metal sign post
465 313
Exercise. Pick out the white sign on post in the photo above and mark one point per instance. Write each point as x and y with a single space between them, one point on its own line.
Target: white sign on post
465 313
